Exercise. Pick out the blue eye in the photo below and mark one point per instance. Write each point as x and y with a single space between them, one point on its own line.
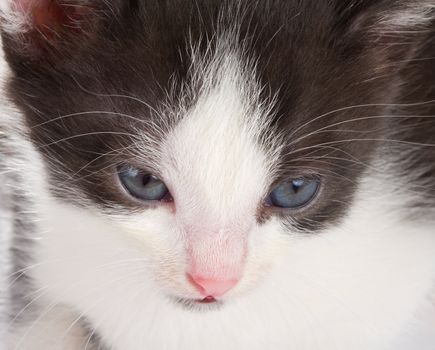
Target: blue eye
294 193
143 186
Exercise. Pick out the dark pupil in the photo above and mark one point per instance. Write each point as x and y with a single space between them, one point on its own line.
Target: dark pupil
298 185
146 179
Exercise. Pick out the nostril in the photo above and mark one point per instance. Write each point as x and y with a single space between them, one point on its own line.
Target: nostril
213 287
198 286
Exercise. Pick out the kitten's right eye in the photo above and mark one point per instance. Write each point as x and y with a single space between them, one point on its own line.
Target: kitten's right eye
143 186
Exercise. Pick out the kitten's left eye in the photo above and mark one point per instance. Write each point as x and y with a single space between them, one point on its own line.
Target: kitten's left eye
294 193
143 186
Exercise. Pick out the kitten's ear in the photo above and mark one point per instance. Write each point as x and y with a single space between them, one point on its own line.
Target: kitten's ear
390 33
394 16
381 18
41 29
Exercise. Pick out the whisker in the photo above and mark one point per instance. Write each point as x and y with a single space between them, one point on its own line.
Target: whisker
342 109
88 134
336 175
400 142
123 115
326 128
132 98
99 300
71 177
22 271
55 303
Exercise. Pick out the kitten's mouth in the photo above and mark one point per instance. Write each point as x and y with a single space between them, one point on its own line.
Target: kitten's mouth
207 300
206 304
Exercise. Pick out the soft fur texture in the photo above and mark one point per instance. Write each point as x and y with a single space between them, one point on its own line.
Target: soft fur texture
222 100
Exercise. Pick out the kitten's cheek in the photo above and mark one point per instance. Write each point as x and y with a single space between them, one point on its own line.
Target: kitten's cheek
215 265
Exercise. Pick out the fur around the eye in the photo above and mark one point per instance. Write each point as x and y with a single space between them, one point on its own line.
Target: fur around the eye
142 185
294 193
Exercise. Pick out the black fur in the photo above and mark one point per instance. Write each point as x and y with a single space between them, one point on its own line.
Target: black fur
328 63
317 57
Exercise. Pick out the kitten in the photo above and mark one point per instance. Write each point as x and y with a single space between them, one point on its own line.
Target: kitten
218 174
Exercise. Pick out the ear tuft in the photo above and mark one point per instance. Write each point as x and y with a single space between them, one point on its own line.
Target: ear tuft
411 15
49 29
14 17
394 30
387 16
43 16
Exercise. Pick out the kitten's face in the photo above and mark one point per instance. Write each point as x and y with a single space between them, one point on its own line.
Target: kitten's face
209 143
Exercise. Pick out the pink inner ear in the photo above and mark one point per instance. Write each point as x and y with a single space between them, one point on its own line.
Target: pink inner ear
49 15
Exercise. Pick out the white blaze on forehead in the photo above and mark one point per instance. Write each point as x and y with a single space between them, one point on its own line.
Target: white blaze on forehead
220 160
217 162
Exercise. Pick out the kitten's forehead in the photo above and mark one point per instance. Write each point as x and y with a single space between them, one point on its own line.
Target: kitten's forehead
174 88
223 148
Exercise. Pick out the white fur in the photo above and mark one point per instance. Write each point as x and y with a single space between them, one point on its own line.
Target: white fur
410 17
355 286
16 16
14 19
6 218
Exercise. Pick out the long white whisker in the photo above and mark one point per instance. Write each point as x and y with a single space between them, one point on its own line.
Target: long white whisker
88 134
342 109
326 128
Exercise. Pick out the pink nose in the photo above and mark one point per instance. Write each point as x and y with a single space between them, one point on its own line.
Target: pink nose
211 286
